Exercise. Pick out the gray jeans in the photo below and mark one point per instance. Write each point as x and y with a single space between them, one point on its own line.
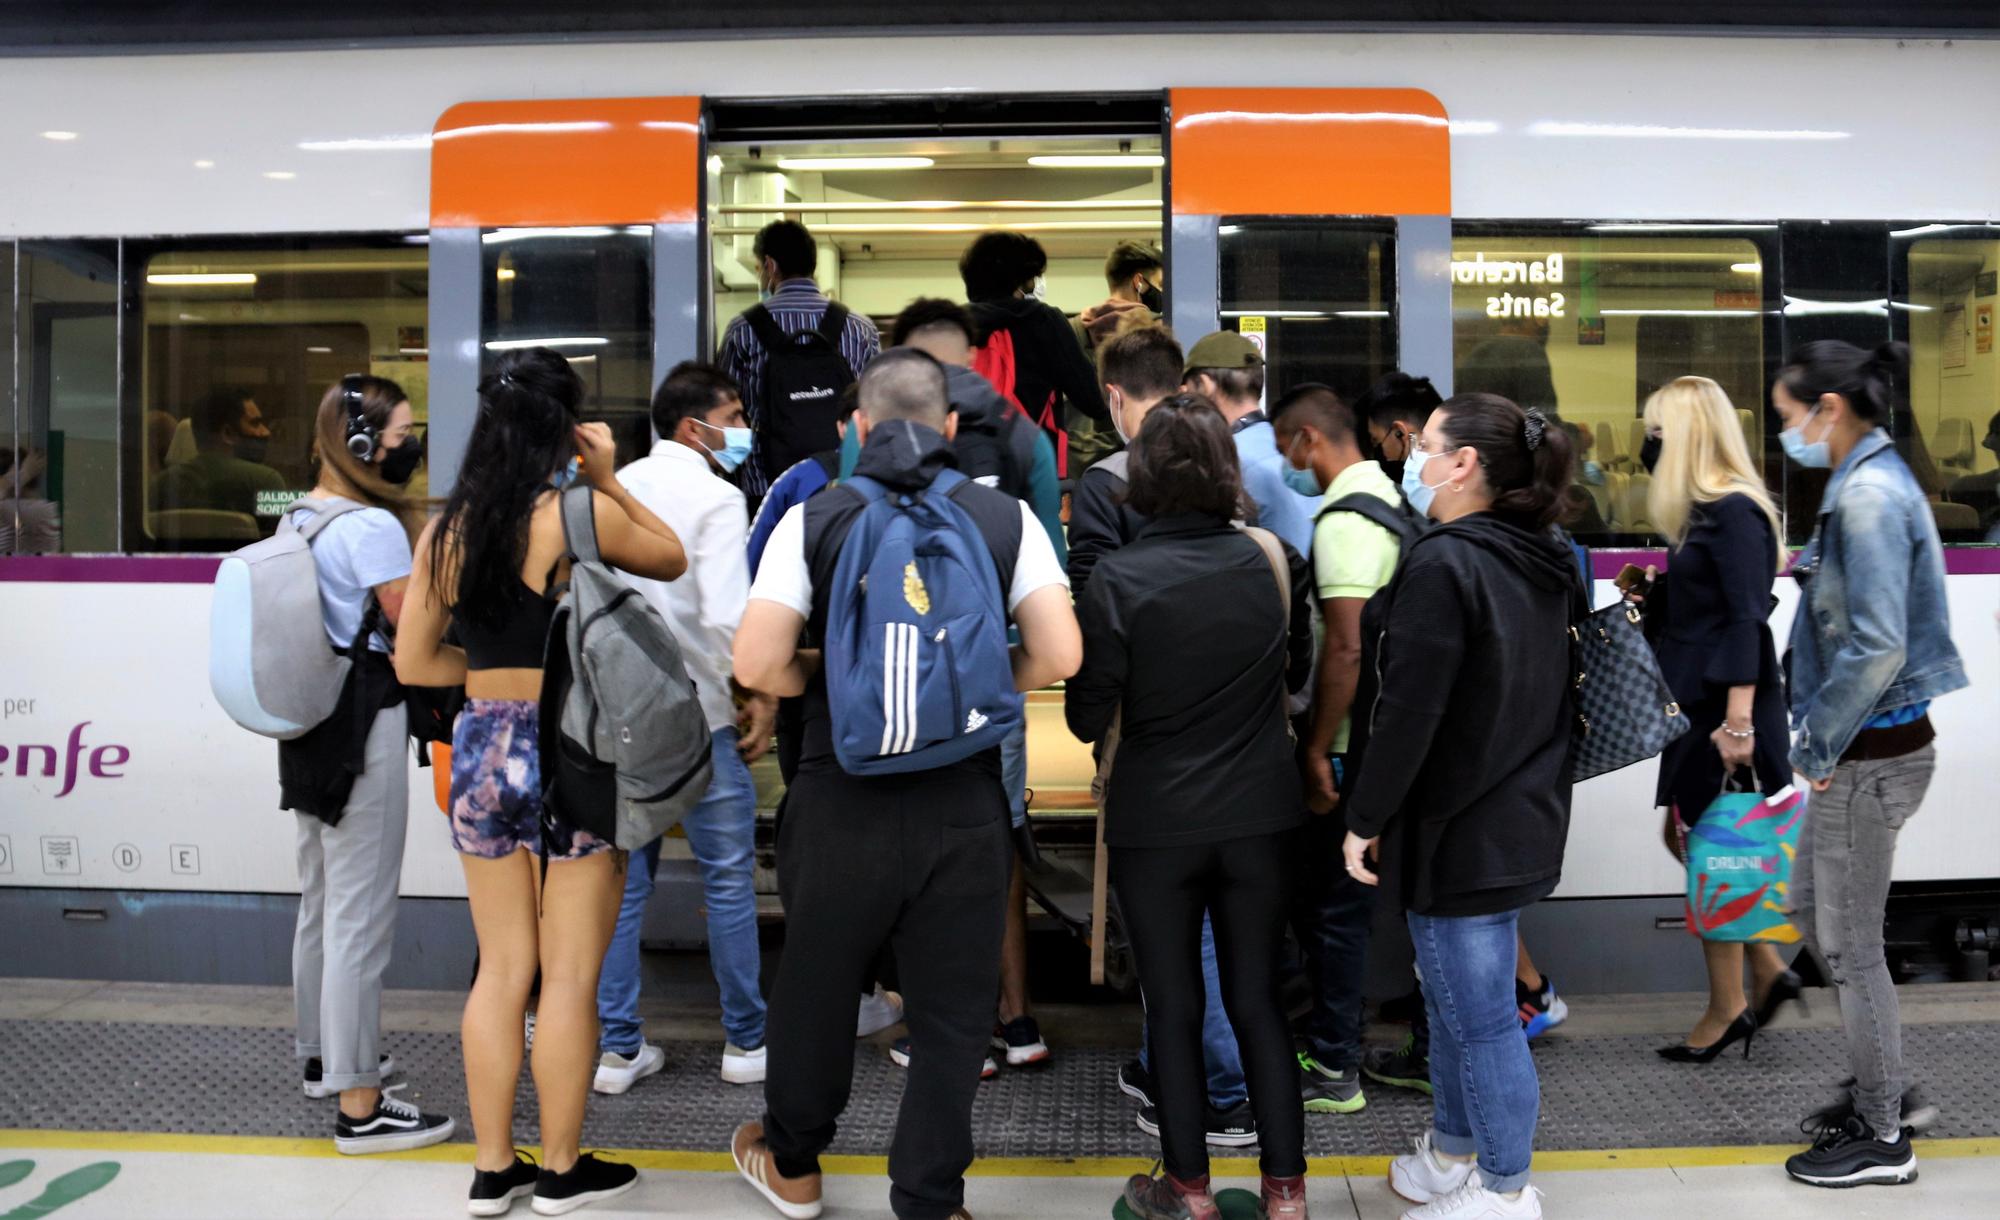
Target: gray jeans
1840 887
348 878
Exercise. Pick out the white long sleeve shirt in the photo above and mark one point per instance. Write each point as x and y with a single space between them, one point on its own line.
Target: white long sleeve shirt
704 606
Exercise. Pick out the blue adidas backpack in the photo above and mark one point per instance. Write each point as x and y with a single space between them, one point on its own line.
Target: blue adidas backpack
917 670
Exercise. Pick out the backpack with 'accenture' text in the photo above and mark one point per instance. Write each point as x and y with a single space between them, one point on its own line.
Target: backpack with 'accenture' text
625 746
798 402
917 670
270 665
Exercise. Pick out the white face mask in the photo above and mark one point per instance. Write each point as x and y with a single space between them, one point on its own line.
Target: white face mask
1040 291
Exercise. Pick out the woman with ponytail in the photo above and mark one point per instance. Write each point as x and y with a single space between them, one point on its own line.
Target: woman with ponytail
1871 647
489 563
1460 804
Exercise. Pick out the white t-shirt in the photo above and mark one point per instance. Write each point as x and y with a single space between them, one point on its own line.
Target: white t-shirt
785 577
354 553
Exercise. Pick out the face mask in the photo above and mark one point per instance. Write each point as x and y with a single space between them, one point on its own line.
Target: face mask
1118 418
400 463
1649 453
1305 482
1813 455
1419 493
735 446
1041 289
252 448
567 475
1992 442
1152 298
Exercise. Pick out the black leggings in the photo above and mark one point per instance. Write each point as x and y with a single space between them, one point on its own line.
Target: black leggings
1244 885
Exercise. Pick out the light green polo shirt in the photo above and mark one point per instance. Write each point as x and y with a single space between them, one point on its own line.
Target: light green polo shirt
1352 556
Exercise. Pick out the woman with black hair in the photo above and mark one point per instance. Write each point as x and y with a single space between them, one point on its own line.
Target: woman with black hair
1462 787
488 563
1004 285
1871 647
1190 645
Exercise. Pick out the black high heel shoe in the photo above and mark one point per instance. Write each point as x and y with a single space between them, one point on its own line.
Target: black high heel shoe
1743 1029
1786 988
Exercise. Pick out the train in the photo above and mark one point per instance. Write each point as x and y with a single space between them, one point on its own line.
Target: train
262 222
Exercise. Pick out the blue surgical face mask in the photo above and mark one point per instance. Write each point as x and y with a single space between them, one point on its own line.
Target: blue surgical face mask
1419 493
1813 455
1305 482
735 446
567 475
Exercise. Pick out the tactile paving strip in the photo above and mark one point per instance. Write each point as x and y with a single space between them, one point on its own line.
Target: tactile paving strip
1597 1092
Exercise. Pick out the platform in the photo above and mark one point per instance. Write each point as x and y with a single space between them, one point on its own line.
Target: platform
175 1084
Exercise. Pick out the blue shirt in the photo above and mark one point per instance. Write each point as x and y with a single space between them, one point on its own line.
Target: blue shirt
797 305
1281 510
806 479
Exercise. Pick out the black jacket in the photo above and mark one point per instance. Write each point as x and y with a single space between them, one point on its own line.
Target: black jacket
1183 629
1046 357
1099 521
1709 616
1466 771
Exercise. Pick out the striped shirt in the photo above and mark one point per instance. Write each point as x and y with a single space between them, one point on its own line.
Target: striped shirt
797 305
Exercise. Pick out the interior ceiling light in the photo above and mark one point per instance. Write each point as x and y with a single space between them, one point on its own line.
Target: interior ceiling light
208 278
59 135
508 345
1746 268
829 164
1097 161
280 175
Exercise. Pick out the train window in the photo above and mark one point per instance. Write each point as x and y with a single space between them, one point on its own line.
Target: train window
236 344
1320 293
586 292
1946 297
14 483
62 488
1585 322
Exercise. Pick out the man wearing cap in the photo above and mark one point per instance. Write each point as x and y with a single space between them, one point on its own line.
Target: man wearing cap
1229 370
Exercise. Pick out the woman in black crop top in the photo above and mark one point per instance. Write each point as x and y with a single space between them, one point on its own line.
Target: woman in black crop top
486 564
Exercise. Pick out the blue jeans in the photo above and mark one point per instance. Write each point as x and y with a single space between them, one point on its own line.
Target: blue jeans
1485 1097
1014 772
721 831
1227 1087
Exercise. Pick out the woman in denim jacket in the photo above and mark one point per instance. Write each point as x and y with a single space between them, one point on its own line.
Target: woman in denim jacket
1871 647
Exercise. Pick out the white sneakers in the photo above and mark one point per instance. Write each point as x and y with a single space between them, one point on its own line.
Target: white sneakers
1472 1201
879 1011
616 1073
1423 1175
742 1067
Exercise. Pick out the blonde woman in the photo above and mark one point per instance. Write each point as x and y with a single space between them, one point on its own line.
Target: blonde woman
1709 626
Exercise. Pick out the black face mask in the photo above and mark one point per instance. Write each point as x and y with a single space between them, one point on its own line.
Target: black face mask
1152 298
1649 453
400 463
252 448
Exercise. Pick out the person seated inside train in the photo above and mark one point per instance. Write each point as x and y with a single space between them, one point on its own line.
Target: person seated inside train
1982 491
30 522
227 470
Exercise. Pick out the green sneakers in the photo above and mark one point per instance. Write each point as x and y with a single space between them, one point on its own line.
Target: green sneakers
1403 1067
1329 1092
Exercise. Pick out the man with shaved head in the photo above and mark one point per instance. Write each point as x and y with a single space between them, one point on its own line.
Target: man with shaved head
917 860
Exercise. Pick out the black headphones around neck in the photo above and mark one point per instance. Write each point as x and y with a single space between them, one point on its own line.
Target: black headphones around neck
362 438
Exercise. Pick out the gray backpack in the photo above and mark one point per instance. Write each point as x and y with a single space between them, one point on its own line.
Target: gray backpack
624 743
269 662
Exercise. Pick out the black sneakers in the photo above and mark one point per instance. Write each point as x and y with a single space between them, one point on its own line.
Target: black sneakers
315 1073
1851 1155
1407 1066
1235 1127
494 1193
1918 1115
1020 1042
588 1181
395 1126
1135 1082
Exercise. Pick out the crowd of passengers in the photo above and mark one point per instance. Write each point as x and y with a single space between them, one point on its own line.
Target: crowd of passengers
1322 651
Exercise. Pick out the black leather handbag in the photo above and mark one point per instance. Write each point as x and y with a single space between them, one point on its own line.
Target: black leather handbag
1625 712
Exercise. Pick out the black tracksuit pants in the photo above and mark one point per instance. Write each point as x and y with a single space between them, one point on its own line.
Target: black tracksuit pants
920 863
1245 886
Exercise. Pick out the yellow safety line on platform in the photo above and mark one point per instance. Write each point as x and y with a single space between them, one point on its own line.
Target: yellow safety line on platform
985 1167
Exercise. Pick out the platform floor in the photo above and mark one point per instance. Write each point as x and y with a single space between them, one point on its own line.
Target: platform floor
190 1093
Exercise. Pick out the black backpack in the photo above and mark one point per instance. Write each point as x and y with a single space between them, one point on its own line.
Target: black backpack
997 452
1407 525
798 407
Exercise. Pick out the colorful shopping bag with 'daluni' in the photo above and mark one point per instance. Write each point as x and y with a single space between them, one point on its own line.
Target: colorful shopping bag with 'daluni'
1739 866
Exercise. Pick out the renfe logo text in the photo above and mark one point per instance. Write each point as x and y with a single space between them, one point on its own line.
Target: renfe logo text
31 760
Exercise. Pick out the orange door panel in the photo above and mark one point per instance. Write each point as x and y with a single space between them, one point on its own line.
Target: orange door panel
1310 152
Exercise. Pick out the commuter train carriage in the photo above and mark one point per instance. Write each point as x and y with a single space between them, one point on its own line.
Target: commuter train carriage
1628 209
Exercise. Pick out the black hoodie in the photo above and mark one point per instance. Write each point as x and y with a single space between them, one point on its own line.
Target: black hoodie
903 456
1046 357
1465 775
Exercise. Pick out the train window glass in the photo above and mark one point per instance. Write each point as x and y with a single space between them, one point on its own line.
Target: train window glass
64 485
1586 322
1946 299
586 292
1318 294
237 343
13 447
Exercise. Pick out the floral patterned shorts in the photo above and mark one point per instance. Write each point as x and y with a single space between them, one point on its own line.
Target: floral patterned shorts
496 785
